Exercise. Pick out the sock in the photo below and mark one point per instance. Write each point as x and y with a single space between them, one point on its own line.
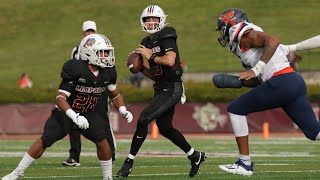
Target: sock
190 152
245 159
130 156
25 162
106 167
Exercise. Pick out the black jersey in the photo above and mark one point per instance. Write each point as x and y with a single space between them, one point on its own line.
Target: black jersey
84 87
163 41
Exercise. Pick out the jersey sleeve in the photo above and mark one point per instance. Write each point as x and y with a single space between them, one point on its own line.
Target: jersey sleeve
69 76
169 44
113 79
237 31
168 37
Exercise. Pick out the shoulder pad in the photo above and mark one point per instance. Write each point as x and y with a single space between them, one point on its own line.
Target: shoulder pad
167 32
71 69
144 41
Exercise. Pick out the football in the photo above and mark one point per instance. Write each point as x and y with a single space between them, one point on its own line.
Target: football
135 62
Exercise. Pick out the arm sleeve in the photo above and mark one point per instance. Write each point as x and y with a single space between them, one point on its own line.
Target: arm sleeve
311 43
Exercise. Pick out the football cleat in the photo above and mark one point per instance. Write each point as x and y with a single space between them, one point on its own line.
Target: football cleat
196 159
125 169
70 162
14 175
238 168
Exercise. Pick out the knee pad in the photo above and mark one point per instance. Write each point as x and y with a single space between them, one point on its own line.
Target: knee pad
239 125
46 141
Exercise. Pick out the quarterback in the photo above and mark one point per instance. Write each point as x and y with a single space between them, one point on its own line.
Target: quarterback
161 50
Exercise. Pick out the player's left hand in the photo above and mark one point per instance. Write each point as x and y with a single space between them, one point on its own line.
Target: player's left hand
144 51
246 75
126 114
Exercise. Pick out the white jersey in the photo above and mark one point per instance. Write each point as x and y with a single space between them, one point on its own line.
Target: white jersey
250 57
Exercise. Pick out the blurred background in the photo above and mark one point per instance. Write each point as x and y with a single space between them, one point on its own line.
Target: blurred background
37 38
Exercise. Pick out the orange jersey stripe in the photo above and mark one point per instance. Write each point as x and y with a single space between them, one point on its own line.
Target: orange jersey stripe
284 71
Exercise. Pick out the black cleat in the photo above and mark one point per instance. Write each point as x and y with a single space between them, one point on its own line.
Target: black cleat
125 169
70 162
196 159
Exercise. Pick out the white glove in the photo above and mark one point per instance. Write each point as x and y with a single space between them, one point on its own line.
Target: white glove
125 114
81 121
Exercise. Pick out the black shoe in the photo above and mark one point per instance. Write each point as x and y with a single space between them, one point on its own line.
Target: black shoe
125 169
196 159
70 162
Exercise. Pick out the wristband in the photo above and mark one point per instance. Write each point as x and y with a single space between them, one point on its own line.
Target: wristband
258 68
122 109
142 68
152 57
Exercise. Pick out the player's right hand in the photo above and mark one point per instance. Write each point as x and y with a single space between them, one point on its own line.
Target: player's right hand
81 121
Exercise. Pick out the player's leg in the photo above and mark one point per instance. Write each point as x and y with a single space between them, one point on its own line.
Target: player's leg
96 133
75 148
56 127
161 102
111 139
276 92
164 123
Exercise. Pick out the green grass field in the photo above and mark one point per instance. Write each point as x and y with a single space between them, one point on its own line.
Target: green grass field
280 158
37 36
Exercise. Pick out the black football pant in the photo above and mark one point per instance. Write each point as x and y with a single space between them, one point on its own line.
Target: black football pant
75 141
161 109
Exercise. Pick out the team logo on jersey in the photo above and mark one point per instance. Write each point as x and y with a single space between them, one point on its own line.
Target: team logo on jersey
89 42
155 49
209 117
82 80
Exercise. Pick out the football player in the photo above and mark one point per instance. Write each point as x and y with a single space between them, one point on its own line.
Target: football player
83 82
280 85
161 50
88 27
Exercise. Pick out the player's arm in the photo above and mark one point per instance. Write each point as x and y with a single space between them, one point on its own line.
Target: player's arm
168 59
67 85
61 101
147 72
310 43
256 39
118 103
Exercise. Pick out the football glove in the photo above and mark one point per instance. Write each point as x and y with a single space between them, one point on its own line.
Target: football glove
126 114
81 121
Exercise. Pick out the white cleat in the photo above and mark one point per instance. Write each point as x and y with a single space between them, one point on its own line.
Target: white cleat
14 175
238 168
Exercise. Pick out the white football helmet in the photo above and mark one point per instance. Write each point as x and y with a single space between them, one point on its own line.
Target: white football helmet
153 11
93 49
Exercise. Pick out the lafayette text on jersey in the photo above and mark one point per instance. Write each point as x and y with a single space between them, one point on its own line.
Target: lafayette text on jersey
83 87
